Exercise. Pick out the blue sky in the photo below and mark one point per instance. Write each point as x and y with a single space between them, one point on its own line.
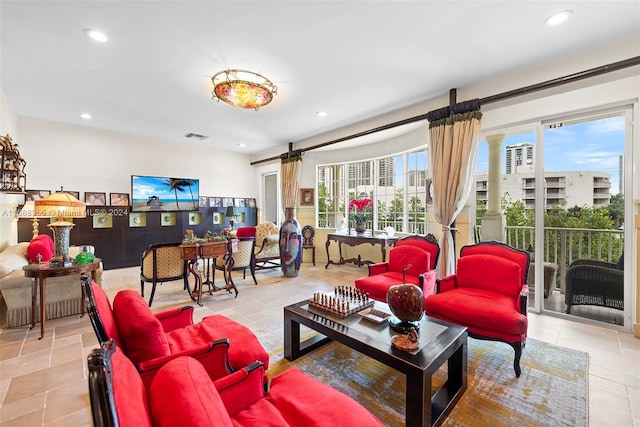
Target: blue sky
587 146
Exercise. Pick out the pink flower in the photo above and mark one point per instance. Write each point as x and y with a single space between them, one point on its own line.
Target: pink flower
360 204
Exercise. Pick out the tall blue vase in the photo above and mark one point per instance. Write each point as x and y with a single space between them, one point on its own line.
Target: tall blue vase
290 244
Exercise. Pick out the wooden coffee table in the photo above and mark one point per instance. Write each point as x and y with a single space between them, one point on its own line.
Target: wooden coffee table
440 342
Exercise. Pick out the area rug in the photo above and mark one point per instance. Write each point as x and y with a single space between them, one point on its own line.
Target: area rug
551 391
172 294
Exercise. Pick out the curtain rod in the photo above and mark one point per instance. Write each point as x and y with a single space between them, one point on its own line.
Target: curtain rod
615 66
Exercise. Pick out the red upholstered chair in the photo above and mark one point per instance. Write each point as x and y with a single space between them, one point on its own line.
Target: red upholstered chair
182 394
488 294
419 252
150 340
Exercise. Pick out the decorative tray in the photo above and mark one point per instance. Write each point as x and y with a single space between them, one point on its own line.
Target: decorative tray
375 316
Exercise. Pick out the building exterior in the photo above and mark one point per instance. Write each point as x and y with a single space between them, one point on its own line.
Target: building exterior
575 188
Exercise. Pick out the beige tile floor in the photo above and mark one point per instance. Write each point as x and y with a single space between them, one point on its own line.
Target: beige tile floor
44 382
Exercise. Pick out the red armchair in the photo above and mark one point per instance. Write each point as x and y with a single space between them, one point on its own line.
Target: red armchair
150 340
419 252
181 394
488 294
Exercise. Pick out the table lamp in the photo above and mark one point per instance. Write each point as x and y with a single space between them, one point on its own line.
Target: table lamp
61 205
29 211
232 213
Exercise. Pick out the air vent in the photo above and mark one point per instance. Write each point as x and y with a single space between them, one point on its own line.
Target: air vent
195 135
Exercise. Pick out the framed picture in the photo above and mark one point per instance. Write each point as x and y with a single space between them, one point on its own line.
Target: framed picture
168 219
217 217
215 202
195 218
33 195
238 202
95 199
306 197
203 201
250 203
75 194
227 201
104 220
138 219
119 199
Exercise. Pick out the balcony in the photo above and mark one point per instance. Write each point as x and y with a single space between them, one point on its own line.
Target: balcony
561 247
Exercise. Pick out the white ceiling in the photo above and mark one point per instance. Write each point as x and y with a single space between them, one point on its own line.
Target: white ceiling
353 59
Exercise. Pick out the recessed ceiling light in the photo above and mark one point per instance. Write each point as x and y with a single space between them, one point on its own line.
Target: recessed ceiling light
558 18
97 35
85 116
242 145
321 114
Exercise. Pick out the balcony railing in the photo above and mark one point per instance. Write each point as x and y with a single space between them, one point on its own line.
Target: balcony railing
564 245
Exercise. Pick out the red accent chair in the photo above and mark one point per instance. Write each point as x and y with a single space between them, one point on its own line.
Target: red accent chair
488 294
150 340
181 394
421 252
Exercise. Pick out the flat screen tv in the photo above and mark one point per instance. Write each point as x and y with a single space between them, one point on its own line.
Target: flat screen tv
155 193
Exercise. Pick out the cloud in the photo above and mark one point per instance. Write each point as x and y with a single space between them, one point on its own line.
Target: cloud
611 124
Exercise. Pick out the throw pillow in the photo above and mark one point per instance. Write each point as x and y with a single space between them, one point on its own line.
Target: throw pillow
41 245
141 332
182 394
13 258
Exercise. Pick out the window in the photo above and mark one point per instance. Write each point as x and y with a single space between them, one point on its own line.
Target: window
397 185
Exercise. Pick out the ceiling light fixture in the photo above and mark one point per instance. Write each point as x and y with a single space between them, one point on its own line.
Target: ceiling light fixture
97 35
85 116
321 114
244 89
558 18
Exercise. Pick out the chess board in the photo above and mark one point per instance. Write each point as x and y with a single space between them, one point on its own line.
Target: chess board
342 302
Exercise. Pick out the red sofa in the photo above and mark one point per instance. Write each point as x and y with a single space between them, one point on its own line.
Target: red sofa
182 394
488 294
419 252
150 340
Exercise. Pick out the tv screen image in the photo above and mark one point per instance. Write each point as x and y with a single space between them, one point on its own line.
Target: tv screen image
155 193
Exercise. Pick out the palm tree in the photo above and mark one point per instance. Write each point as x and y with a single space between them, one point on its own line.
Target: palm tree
176 185
189 183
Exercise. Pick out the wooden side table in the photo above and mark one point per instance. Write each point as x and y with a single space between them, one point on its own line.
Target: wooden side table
209 250
39 273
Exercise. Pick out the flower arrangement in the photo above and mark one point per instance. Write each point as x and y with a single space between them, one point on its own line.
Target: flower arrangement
360 217
360 204
191 238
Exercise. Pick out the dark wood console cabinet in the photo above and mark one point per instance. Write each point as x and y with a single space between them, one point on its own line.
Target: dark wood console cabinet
121 245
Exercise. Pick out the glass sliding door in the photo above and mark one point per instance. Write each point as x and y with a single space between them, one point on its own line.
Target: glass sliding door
584 215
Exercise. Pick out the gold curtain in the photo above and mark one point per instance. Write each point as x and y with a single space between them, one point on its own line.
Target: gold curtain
453 151
290 171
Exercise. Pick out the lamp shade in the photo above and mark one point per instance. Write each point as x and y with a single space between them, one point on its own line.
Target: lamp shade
29 211
232 211
61 205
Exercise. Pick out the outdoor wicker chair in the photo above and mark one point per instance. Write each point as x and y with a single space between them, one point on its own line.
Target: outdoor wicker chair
592 282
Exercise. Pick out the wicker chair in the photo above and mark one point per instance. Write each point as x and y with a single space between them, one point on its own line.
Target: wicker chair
267 252
162 263
591 282
242 260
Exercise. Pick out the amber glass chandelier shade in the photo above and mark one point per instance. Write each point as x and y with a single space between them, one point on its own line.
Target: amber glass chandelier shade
244 89
61 205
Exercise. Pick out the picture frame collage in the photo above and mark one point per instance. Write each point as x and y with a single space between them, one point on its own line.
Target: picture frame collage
103 218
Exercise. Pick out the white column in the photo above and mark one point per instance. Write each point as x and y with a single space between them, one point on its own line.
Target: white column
493 222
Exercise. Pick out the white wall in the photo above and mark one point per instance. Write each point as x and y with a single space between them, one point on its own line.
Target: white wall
8 202
85 159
